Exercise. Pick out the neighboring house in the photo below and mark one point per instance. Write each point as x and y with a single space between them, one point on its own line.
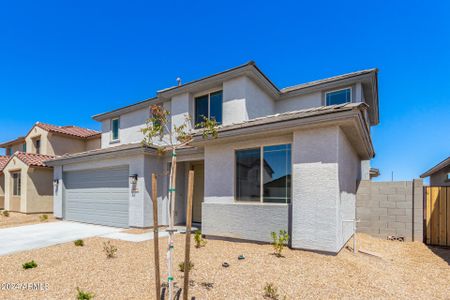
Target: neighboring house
26 182
3 161
284 159
439 174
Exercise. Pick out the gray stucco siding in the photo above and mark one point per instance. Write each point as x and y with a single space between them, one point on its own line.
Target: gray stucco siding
244 221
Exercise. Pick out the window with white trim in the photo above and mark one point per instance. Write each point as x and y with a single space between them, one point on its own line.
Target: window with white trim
339 96
208 106
263 174
115 126
17 184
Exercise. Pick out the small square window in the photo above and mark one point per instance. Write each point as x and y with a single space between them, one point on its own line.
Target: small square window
339 97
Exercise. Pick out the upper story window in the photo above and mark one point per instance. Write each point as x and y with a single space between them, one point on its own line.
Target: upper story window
209 106
115 125
9 151
339 96
17 184
263 174
24 147
37 146
448 176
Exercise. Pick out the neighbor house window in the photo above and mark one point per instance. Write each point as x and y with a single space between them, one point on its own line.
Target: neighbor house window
115 124
264 174
9 151
209 106
17 184
448 176
37 145
339 96
24 147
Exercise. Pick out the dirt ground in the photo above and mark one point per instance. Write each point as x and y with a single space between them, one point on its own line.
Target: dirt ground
405 270
16 219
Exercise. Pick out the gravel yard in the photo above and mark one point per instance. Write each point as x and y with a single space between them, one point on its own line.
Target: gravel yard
17 219
405 270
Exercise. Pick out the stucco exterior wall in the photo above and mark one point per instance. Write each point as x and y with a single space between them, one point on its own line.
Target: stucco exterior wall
440 178
244 100
315 189
39 190
60 145
349 166
299 102
325 172
35 133
130 128
93 143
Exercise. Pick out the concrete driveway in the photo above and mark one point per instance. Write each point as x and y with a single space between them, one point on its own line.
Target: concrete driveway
22 238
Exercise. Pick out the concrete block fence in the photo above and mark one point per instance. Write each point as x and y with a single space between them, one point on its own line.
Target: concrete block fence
391 208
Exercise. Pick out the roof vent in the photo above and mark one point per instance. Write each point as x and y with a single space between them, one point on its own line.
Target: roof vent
179 81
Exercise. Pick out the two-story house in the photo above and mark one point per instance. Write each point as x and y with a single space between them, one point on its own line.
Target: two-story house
26 182
439 174
284 159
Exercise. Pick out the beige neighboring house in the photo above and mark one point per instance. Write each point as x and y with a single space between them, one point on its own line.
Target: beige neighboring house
3 161
26 182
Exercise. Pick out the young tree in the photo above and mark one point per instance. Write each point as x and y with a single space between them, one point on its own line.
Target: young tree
159 133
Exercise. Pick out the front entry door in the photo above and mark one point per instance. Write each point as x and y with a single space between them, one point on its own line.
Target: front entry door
199 179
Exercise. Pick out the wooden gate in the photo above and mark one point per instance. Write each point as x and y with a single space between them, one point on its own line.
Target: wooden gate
437 221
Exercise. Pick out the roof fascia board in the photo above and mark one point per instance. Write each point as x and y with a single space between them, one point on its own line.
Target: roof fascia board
126 109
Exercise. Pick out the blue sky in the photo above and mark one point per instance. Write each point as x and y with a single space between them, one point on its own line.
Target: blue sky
63 61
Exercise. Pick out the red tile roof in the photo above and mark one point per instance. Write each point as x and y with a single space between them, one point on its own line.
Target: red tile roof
3 161
69 130
33 160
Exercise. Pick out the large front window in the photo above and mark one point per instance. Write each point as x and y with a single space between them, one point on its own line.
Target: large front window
264 174
17 184
208 106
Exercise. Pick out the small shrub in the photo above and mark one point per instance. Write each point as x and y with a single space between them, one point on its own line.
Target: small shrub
181 266
83 295
79 243
30 265
109 249
279 241
5 213
43 218
271 291
199 241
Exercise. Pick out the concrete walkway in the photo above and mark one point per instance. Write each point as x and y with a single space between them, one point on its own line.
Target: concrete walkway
22 238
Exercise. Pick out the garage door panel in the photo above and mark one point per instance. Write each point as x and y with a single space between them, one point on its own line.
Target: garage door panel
97 196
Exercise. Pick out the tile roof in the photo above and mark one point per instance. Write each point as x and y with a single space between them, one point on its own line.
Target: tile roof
33 160
291 115
3 161
69 130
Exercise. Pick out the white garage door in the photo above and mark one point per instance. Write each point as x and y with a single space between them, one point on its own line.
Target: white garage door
97 196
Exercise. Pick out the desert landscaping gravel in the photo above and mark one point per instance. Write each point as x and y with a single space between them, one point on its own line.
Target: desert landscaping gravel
16 219
404 270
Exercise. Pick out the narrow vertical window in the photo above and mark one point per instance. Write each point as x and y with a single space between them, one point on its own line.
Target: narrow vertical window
17 184
115 125
248 175
37 146
24 147
277 174
9 151
201 109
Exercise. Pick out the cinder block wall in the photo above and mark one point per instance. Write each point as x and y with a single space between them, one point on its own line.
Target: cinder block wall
391 208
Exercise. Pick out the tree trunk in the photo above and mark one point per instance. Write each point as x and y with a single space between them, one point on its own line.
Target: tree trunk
156 236
187 253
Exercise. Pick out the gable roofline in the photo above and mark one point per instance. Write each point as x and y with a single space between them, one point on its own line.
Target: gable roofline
437 168
12 142
3 161
32 160
251 70
67 130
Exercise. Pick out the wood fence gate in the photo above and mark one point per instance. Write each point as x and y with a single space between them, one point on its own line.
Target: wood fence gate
437 212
